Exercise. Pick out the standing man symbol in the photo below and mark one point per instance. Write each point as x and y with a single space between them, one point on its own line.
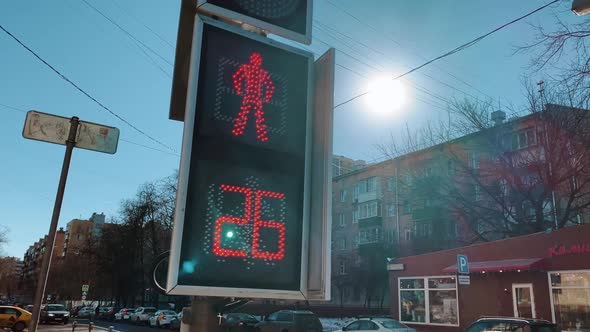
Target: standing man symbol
255 80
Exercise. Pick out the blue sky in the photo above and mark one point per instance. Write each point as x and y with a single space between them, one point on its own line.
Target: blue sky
114 69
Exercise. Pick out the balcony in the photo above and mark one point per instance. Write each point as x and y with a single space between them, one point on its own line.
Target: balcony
426 213
371 221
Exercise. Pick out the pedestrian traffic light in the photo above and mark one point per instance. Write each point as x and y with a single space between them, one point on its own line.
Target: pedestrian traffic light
287 18
242 217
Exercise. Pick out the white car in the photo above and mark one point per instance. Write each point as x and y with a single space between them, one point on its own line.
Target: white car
142 314
124 314
162 318
377 324
85 312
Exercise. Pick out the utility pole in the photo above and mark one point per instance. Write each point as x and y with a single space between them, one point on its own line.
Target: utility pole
46 263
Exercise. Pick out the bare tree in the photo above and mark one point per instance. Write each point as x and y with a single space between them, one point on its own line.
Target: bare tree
501 180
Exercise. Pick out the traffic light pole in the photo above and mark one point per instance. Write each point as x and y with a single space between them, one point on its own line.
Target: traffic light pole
46 263
204 316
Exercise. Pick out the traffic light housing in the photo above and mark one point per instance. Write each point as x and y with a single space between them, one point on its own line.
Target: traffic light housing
242 218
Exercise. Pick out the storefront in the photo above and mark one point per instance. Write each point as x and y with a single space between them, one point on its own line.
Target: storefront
543 275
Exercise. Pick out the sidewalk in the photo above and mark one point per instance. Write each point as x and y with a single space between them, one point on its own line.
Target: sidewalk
68 328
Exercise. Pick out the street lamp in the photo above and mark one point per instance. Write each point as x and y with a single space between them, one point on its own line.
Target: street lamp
581 7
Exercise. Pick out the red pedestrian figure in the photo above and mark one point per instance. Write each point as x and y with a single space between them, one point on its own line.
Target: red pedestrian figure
255 79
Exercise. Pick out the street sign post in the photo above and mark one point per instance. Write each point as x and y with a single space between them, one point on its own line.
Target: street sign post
71 133
54 129
243 205
462 264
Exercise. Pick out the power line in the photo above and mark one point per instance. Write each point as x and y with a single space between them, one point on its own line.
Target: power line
12 108
399 44
456 49
127 33
144 25
65 78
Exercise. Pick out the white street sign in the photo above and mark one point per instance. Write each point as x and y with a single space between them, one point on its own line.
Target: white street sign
85 288
54 129
464 280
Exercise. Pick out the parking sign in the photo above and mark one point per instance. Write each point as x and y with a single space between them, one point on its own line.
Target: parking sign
462 264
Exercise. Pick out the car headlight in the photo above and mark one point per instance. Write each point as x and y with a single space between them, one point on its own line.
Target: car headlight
51 315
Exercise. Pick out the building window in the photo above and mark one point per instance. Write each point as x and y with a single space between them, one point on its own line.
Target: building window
368 185
570 299
450 167
356 241
430 300
407 207
368 210
343 194
342 267
370 235
390 183
391 211
477 192
408 180
423 229
474 160
341 220
355 216
339 244
524 139
80 236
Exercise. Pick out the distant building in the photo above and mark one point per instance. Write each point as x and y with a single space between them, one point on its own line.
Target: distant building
342 165
78 231
33 257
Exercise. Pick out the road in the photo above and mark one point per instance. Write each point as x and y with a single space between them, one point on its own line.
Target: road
123 327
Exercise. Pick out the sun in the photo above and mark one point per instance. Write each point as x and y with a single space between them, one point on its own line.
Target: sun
386 94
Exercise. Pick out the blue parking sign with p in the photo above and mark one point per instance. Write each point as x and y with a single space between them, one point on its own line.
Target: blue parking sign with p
462 264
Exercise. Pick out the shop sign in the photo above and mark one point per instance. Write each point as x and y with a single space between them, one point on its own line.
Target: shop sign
574 249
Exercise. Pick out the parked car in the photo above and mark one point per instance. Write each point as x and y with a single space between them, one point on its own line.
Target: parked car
238 322
512 324
85 312
290 320
175 322
14 318
124 314
108 314
54 313
142 314
377 324
162 318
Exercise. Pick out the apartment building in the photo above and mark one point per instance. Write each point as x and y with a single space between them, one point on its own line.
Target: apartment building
33 257
484 186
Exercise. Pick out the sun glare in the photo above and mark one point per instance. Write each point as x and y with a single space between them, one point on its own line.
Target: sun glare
386 94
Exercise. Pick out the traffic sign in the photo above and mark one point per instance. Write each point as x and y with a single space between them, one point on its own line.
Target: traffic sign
287 18
54 129
83 297
84 293
464 280
85 288
244 183
462 264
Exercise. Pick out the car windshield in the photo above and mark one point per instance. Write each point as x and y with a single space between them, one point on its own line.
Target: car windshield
149 311
56 307
392 324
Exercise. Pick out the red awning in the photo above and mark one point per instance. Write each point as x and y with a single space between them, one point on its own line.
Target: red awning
501 265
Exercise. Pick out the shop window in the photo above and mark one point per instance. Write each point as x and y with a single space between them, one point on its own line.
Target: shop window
430 300
571 299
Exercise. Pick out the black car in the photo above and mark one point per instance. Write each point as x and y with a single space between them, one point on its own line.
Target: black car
290 320
238 322
108 313
511 324
54 313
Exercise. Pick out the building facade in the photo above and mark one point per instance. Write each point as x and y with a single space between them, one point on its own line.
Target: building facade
543 275
511 179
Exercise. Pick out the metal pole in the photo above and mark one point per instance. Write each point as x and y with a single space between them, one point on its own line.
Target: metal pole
203 316
46 263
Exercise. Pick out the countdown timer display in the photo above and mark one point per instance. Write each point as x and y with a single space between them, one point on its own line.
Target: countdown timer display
244 215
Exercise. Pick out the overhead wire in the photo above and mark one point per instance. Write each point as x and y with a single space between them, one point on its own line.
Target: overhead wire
455 50
388 37
88 95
